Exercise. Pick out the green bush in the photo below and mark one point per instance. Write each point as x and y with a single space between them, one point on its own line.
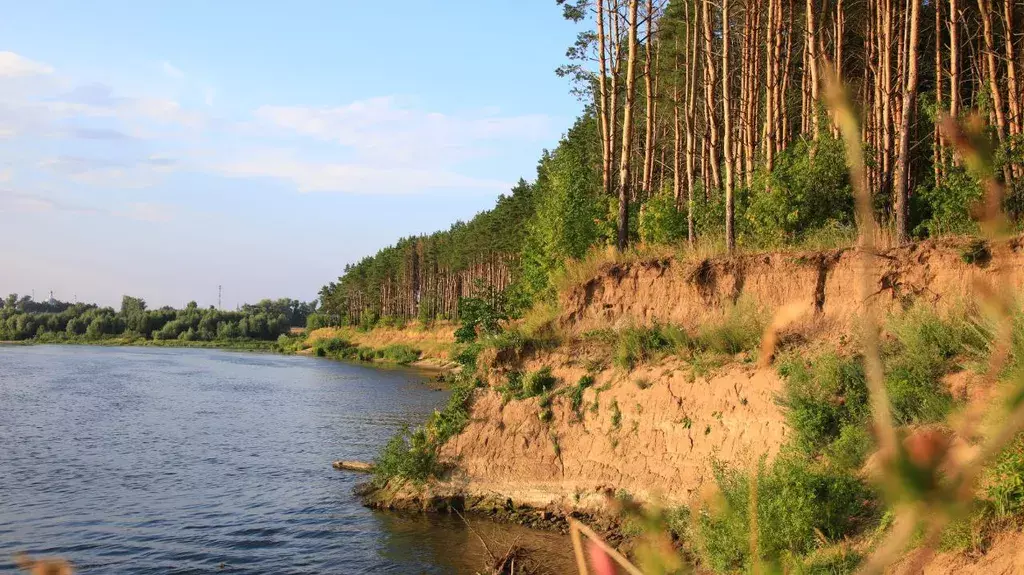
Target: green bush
400 354
740 330
635 345
538 382
924 349
822 397
661 221
576 394
481 314
413 454
408 454
803 193
796 499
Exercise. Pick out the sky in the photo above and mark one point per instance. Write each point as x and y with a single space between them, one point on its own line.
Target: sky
164 148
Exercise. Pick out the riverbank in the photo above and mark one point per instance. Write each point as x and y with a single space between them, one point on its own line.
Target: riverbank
648 386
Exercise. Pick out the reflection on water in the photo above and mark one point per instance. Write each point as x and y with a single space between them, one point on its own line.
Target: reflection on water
192 461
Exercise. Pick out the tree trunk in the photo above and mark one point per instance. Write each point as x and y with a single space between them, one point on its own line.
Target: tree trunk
937 133
627 125
730 236
909 99
649 89
985 7
606 136
812 63
709 98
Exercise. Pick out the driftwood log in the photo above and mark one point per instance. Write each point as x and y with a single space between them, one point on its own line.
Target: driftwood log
353 466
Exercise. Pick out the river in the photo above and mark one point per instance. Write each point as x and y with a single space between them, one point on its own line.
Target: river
157 460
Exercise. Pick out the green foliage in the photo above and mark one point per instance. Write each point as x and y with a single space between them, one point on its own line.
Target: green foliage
481 314
796 498
804 192
924 349
661 221
400 354
412 455
569 207
576 394
636 345
317 321
616 415
408 454
739 331
823 398
1005 485
947 209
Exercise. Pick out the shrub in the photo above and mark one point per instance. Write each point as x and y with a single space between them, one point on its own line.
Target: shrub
413 454
400 354
316 321
408 454
740 330
796 498
538 382
923 351
330 346
822 397
636 345
481 313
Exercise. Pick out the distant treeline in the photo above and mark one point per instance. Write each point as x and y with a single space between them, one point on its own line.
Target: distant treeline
24 319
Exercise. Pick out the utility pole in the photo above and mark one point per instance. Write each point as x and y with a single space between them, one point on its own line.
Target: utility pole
219 288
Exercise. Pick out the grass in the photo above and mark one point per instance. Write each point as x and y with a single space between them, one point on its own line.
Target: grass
576 395
739 330
524 386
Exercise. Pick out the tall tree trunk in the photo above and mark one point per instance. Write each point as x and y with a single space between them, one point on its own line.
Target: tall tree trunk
709 98
691 120
985 7
812 63
1015 123
909 99
627 125
649 89
606 135
730 235
937 133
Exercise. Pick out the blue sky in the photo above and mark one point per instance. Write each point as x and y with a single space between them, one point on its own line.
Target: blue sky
162 148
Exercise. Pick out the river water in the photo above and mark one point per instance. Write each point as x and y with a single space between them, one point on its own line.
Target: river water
157 460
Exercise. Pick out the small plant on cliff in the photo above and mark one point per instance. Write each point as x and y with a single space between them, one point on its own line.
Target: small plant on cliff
925 347
739 330
636 345
576 395
616 415
538 382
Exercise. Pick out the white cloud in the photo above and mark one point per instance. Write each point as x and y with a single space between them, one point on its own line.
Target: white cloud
172 70
385 129
351 178
16 66
386 145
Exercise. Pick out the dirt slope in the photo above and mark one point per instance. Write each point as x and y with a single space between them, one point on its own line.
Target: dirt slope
689 293
659 446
